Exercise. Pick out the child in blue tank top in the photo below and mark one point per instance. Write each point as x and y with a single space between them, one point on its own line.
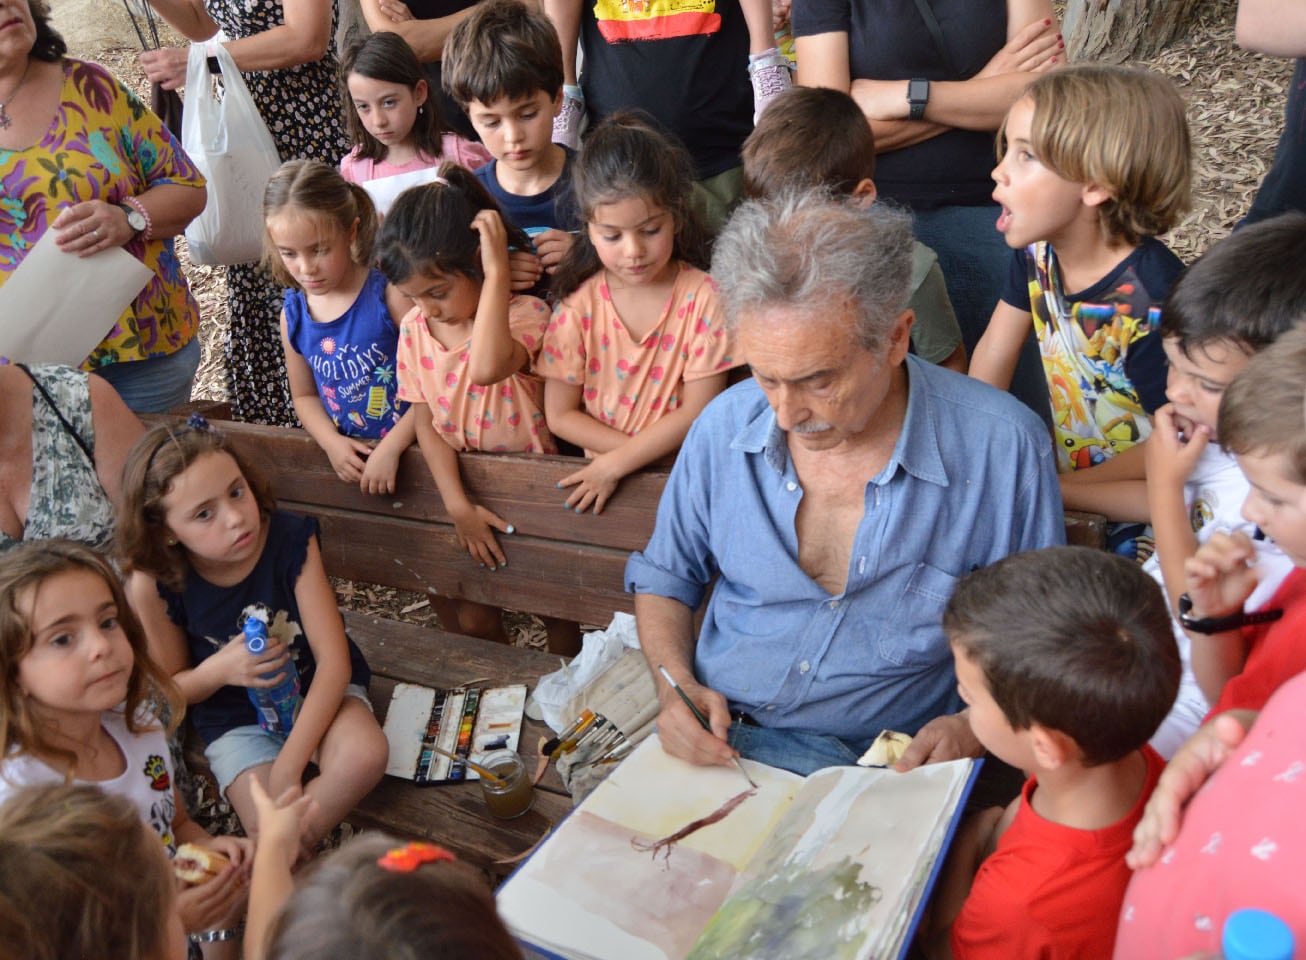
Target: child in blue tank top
339 325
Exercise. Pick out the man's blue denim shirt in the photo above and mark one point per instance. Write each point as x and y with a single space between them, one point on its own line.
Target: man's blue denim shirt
972 479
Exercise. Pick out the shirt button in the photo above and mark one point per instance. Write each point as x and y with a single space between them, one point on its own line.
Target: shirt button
791 486
804 667
772 707
834 604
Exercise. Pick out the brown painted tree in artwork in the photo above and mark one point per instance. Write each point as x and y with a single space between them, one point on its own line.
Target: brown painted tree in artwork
1114 31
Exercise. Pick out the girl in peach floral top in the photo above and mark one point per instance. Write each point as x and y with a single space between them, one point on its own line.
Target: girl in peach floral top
637 345
466 351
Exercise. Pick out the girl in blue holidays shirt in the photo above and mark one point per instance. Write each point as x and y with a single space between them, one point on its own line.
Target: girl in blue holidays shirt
340 322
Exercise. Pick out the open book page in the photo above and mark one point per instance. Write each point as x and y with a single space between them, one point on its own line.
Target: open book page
844 871
588 893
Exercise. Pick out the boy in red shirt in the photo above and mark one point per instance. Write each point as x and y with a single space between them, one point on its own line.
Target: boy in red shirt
1068 664
1263 424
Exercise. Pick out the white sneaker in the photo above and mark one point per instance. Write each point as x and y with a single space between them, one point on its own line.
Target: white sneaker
566 125
771 76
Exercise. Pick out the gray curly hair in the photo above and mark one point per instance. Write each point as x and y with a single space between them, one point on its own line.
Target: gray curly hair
808 249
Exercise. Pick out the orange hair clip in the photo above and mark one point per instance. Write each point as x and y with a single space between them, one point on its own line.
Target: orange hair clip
408 858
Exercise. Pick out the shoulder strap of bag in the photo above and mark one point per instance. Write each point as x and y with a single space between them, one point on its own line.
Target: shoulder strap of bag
49 402
932 24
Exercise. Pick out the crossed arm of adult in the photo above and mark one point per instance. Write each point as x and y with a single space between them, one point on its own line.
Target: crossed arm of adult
979 103
426 37
1274 27
304 37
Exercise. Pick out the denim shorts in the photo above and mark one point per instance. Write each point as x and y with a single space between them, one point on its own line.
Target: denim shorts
243 748
158 384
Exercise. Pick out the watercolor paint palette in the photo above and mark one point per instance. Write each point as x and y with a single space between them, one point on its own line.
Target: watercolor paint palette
466 721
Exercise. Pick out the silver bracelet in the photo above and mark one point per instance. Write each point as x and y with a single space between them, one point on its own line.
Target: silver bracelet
215 936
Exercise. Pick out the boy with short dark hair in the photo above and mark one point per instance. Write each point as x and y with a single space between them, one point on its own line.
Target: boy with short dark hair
503 65
1229 305
812 137
1066 659
1263 424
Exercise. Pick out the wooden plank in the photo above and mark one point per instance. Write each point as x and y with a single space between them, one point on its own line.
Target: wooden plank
520 488
1086 529
550 578
455 817
434 657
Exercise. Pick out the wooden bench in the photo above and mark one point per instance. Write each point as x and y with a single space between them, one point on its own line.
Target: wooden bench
560 564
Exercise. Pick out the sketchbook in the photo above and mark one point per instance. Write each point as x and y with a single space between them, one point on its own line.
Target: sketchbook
833 866
467 721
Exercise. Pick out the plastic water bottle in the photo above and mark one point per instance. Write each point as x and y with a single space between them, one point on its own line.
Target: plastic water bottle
1256 935
277 706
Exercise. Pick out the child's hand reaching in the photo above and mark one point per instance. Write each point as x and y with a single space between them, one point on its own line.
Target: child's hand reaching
281 826
348 457
595 484
1221 575
282 823
475 526
1173 447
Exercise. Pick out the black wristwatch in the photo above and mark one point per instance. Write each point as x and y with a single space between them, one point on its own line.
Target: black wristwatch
1232 621
918 95
135 219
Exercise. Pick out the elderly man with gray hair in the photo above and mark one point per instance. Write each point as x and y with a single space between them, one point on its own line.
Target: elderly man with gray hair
835 498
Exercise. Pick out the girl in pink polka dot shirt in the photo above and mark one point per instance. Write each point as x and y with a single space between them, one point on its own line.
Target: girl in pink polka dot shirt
466 352
637 345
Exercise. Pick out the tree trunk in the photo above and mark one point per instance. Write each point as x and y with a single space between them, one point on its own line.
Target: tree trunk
1114 31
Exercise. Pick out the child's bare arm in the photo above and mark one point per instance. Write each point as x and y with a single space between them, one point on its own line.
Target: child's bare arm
1170 461
348 456
281 824
1219 576
383 462
473 523
994 360
761 27
324 630
1116 488
495 355
566 417
597 481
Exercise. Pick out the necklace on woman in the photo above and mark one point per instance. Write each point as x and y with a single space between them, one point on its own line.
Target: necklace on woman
5 119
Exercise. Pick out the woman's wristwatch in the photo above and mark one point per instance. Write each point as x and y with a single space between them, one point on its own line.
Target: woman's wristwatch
138 218
1230 621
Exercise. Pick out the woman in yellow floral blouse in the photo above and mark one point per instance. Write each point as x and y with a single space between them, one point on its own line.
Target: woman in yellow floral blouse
81 155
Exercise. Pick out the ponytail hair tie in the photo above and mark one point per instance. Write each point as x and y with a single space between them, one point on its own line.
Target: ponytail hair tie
441 180
409 857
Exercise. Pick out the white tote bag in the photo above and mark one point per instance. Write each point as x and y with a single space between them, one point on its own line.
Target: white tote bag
229 142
